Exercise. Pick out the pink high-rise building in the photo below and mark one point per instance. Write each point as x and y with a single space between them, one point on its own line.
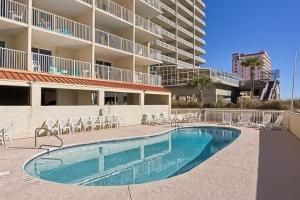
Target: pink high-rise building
262 73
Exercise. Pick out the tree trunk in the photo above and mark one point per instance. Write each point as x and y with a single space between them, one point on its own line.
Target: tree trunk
252 82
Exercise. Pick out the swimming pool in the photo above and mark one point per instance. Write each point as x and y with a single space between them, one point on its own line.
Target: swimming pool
132 161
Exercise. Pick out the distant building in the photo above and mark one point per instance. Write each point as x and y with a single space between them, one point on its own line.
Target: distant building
263 73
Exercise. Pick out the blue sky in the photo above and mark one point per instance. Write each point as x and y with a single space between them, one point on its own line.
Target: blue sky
252 25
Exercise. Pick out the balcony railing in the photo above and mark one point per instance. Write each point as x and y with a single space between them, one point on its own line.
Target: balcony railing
200 21
166 20
200 40
61 25
202 51
148 25
168 9
185 42
168 34
148 79
185 9
114 74
13 59
200 30
154 3
164 45
113 41
184 64
144 51
183 19
185 31
123 75
88 1
13 10
62 66
115 9
199 59
168 59
185 53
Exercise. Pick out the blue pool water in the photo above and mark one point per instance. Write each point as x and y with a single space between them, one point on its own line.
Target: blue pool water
132 161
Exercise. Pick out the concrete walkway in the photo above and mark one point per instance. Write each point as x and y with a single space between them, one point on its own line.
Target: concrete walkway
258 165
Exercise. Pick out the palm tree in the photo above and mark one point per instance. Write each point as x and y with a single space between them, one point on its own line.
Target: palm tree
252 63
201 84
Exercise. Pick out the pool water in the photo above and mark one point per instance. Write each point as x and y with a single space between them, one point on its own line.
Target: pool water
132 161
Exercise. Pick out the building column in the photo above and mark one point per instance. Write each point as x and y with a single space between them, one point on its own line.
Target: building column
29 37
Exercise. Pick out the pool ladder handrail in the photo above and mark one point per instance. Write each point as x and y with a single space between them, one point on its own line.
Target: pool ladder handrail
36 135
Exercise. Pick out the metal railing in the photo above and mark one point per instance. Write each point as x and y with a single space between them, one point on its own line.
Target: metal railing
200 40
113 41
184 64
148 79
185 42
155 54
200 30
13 59
62 66
61 25
164 45
199 59
88 1
200 20
14 10
112 73
168 59
154 3
202 51
185 20
115 9
216 115
166 20
144 51
168 34
185 53
185 31
167 8
147 25
185 9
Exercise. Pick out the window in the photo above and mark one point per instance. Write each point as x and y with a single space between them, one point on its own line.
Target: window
100 62
120 98
14 96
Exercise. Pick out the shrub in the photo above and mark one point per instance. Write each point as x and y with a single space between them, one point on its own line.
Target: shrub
274 105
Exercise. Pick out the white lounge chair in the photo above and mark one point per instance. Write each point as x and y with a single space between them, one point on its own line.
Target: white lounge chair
265 122
166 118
104 121
64 125
278 124
227 118
6 132
245 119
119 121
196 117
75 124
86 123
158 119
95 122
52 126
150 118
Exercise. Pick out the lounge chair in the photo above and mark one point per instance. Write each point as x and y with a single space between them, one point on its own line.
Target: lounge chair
227 118
158 119
166 118
105 121
265 122
119 121
64 125
150 118
75 124
95 122
196 117
245 119
52 126
86 123
278 124
6 132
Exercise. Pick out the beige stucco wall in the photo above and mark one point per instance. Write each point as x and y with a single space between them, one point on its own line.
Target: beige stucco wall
293 121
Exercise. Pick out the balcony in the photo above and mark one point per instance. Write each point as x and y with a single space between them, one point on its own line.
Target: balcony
200 60
163 46
60 66
148 8
13 14
184 54
165 22
185 43
147 56
111 14
199 50
147 30
148 79
187 12
184 64
185 22
118 46
200 22
48 28
13 59
168 35
200 31
201 4
184 31
200 40
122 75
200 12
168 10
168 59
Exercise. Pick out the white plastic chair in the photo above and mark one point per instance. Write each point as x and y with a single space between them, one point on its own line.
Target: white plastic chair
265 123
110 121
245 119
95 122
52 126
166 118
278 124
75 124
119 121
104 122
227 118
150 118
64 125
6 132
158 118
86 123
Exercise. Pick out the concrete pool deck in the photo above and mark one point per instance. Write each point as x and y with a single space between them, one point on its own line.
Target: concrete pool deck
258 165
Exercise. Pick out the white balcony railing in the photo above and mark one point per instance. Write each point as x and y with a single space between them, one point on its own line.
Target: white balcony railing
185 31
168 59
148 25
148 79
185 53
13 10
144 51
13 59
166 20
88 1
168 34
61 25
183 19
200 21
113 41
185 42
115 9
164 45
199 49
185 9
154 3
184 64
200 30
200 40
123 75
114 74
61 66
168 9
